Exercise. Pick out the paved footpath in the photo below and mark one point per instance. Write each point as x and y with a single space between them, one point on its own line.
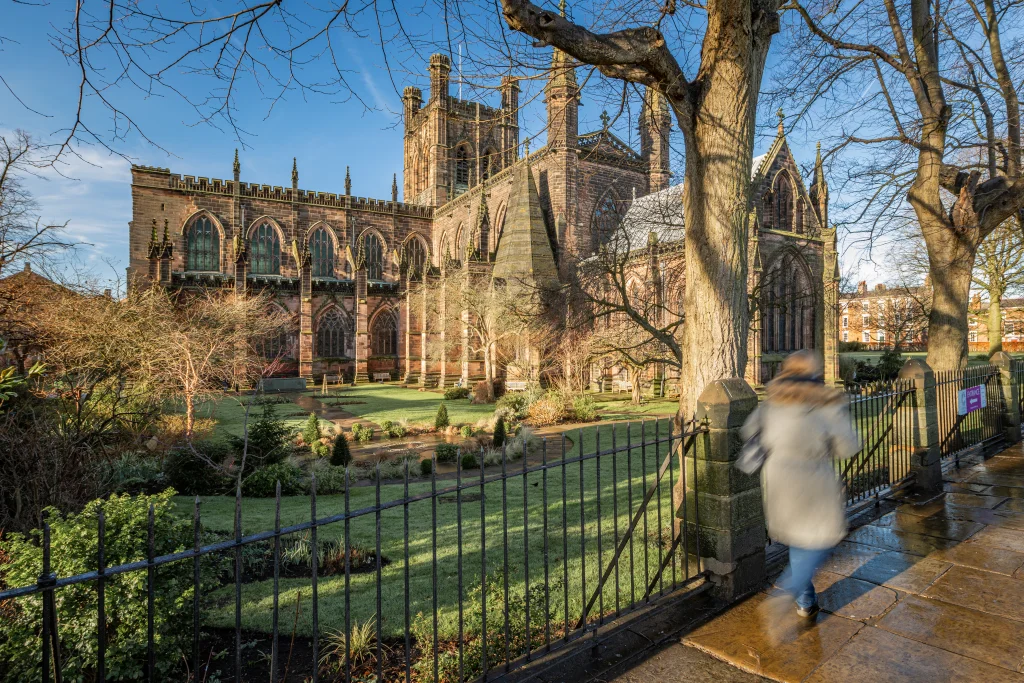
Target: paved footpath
932 591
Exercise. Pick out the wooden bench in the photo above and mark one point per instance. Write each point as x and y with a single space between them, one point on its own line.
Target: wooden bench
382 377
620 385
515 385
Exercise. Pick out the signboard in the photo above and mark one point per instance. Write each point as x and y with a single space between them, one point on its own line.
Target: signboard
970 399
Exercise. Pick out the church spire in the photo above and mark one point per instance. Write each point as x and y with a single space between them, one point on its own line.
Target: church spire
818 191
348 182
236 167
295 174
394 187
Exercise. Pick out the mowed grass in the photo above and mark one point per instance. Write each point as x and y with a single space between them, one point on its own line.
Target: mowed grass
511 520
228 412
379 402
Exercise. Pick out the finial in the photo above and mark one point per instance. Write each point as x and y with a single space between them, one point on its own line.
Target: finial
394 187
782 119
561 7
348 182
165 230
818 147
526 147
295 172
237 167
153 236
605 119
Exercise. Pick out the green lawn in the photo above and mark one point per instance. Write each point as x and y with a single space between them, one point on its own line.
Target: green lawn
379 402
228 411
607 485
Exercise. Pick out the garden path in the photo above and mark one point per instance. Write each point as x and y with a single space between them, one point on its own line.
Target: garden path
932 591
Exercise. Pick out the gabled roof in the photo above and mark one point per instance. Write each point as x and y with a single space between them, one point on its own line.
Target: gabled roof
660 213
606 141
524 252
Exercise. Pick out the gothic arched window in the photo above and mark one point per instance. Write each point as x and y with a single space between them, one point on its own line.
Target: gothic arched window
374 252
461 169
321 249
784 203
330 335
266 251
384 335
768 205
415 257
202 245
787 307
606 220
799 216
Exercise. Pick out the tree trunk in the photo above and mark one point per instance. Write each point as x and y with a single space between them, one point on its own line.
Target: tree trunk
636 376
190 415
489 373
951 286
995 322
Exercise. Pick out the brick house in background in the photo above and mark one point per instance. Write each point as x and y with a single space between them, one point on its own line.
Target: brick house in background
1013 324
875 319
343 265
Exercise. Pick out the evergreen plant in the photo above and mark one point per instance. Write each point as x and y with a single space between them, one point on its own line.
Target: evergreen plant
441 421
499 433
311 432
341 456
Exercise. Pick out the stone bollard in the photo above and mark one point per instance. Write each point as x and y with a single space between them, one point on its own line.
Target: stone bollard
723 505
1010 394
924 423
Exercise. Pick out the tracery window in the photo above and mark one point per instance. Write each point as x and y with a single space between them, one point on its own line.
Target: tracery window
800 216
461 169
321 249
202 245
330 335
384 335
788 307
606 220
784 203
266 251
374 252
415 257
768 202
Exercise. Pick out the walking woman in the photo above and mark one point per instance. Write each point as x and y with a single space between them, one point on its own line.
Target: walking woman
802 426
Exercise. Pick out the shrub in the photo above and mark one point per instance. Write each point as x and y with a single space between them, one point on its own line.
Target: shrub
466 431
447 452
499 433
846 347
73 542
361 647
191 472
386 426
469 461
362 434
426 467
262 483
889 365
133 473
329 478
584 408
524 443
268 439
516 403
311 432
341 456
441 420
392 430
455 393
320 449
547 411
492 456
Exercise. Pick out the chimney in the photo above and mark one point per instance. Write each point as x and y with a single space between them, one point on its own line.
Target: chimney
107 293
880 287
28 267
862 287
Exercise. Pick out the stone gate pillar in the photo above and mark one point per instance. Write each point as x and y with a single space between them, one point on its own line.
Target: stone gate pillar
926 462
1010 394
723 505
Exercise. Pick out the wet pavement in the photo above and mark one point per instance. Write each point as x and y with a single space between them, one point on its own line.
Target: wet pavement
930 591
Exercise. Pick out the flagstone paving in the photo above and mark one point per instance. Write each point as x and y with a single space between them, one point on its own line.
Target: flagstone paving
932 591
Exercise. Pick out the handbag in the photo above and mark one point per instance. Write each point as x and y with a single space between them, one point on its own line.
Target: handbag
753 454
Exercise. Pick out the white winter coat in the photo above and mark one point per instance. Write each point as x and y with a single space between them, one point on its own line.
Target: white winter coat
803 501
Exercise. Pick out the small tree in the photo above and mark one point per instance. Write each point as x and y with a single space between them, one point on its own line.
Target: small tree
441 421
268 438
499 433
341 456
311 433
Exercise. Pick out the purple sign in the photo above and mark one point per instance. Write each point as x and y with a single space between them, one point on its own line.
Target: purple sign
970 399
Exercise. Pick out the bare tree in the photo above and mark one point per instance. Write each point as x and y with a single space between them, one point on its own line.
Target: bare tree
999 269
915 84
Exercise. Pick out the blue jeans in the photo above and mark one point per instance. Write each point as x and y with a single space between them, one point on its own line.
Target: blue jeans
797 579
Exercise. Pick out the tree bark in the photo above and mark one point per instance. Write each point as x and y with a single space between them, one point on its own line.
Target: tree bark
995 322
950 270
190 415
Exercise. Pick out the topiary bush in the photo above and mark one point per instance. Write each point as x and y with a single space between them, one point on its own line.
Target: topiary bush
441 419
455 393
469 461
426 467
499 433
341 456
73 543
262 483
447 452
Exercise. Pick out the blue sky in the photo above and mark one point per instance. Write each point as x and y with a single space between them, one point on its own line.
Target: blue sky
323 133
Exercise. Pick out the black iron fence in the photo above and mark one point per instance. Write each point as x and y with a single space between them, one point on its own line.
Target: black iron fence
882 415
465 576
963 427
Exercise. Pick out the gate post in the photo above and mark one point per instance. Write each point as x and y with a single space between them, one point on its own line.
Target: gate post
723 510
926 463
1010 394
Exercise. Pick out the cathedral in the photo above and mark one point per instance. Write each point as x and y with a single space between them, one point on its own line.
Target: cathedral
347 268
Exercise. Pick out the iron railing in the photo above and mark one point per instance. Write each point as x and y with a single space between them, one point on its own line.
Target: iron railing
977 429
580 537
882 415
